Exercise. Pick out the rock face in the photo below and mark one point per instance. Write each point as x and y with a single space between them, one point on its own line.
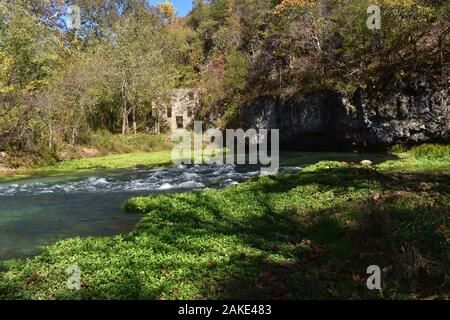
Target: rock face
327 120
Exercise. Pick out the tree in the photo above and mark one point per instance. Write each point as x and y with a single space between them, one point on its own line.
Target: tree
29 52
139 71
167 11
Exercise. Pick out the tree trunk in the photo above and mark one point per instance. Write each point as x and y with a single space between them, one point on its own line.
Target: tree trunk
158 124
125 112
134 121
50 137
73 136
124 121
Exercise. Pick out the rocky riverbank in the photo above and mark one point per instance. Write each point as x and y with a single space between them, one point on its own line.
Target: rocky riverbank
411 114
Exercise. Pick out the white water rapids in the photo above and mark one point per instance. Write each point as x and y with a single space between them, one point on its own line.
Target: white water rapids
172 179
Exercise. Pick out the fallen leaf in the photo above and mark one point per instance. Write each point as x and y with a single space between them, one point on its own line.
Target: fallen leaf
431 297
377 197
357 277
387 270
333 291
306 242
31 279
175 292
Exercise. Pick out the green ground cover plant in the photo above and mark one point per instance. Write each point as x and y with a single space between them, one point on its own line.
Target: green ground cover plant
309 235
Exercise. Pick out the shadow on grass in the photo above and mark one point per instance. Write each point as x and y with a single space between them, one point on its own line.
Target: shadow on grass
309 235
306 158
320 252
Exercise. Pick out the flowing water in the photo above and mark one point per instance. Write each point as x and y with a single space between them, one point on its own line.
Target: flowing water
39 211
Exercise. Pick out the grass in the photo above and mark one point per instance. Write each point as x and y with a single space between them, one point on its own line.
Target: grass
422 158
158 159
106 142
309 235
119 161
113 152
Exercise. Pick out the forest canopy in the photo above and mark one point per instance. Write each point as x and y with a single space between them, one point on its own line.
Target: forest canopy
59 85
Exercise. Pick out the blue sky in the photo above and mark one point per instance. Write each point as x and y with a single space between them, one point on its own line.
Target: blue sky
182 6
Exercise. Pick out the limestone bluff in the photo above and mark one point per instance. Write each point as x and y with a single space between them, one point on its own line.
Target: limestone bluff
413 113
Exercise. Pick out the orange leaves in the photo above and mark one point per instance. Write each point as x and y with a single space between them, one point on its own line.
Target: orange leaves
167 10
292 4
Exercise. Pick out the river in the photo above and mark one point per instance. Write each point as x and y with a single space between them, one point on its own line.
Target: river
38 211
41 210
